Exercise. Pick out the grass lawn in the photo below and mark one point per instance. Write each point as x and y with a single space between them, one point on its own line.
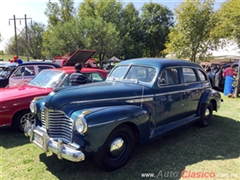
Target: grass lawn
6 57
215 150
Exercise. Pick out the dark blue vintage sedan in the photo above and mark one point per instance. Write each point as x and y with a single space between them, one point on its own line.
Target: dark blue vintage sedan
141 100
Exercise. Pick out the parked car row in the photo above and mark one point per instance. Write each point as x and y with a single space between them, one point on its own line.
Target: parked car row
15 101
140 101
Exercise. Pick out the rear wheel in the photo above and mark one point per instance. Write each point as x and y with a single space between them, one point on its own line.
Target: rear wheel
117 149
206 114
21 118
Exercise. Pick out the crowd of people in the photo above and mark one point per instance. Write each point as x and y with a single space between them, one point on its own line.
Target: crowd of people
228 75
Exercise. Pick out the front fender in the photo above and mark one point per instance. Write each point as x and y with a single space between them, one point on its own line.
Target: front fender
102 121
40 106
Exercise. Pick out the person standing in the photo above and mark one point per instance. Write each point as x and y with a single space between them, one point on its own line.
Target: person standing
228 74
77 77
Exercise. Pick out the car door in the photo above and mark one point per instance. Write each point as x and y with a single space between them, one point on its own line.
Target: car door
193 89
170 101
204 80
22 75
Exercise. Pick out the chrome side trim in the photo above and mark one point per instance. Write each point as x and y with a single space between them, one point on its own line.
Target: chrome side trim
181 91
194 89
162 94
112 99
108 122
139 100
5 125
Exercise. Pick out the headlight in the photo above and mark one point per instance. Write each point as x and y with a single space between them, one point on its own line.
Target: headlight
33 107
81 124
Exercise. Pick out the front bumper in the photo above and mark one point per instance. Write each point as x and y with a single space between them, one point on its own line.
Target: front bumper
39 137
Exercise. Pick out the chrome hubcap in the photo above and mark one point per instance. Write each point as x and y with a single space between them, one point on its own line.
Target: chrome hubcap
207 112
27 117
117 147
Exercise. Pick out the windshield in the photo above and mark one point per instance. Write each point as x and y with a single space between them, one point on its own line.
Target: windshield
140 73
48 79
6 71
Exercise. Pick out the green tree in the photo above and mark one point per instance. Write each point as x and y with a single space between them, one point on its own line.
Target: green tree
103 37
65 37
156 21
11 45
228 26
130 33
61 12
191 36
109 11
35 40
228 21
34 45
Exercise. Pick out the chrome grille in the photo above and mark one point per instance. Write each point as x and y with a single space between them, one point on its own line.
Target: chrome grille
58 124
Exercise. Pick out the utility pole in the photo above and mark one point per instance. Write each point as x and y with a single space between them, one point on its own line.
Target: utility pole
15 30
26 36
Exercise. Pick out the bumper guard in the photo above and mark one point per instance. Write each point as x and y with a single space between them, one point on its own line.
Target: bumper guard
39 137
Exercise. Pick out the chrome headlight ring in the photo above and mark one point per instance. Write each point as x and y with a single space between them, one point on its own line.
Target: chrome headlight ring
33 107
81 124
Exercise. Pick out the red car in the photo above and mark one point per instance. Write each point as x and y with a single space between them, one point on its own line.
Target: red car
15 101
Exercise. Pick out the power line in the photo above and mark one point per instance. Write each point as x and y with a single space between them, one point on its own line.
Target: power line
15 30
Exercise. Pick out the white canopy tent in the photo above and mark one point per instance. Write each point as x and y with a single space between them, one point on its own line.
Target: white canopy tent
229 53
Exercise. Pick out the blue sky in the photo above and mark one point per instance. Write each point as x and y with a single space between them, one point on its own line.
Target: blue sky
35 9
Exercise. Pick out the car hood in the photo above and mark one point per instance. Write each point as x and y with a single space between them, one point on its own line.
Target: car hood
79 56
94 94
12 93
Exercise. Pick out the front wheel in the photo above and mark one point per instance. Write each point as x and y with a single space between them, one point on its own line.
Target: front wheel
21 118
206 114
117 149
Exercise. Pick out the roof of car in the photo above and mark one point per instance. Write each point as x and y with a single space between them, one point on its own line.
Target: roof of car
41 63
159 62
7 64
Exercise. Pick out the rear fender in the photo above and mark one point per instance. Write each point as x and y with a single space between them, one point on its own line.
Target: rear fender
209 96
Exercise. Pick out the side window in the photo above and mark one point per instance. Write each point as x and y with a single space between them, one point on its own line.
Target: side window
169 77
19 71
66 81
40 68
89 77
28 71
202 76
97 77
25 71
189 75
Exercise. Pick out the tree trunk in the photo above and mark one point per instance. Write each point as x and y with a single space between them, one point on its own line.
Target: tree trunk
237 89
